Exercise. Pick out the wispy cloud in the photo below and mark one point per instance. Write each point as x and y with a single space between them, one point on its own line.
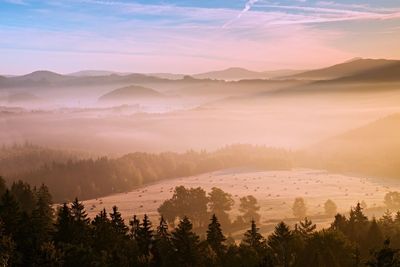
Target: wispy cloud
246 8
132 36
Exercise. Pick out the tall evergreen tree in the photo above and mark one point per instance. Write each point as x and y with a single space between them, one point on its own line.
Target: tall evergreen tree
9 214
185 244
63 225
24 195
42 216
118 223
135 226
80 222
326 248
281 244
374 235
103 231
145 237
253 238
215 237
162 250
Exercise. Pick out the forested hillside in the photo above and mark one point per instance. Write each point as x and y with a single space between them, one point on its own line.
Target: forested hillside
91 178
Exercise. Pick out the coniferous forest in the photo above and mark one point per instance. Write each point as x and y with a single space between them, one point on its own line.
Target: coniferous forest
33 233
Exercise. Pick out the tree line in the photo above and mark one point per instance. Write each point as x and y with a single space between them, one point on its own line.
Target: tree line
40 236
92 178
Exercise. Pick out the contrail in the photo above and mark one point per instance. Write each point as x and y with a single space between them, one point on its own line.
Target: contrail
247 7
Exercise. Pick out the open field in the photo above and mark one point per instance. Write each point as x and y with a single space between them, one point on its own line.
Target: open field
275 191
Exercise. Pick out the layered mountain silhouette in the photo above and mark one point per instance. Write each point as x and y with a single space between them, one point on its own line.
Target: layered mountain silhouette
48 78
93 73
243 74
358 69
130 93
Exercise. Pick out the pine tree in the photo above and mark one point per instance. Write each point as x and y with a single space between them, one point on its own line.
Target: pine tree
185 244
374 235
63 225
162 230
340 223
9 213
357 224
118 223
396 220
162 249
253 238
145 236
215 237
103 232
80 222
135 226
306 228
387 224
42 216
280 243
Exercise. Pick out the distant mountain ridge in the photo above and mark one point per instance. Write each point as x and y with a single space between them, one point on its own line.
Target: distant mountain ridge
129 93
93 73
243 74
346 69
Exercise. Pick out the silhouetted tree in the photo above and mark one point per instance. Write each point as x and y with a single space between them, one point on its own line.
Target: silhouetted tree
63 225
145 237
306 228
375 236
117 223
220 204
215 237
9 213
281 244
386 257
326 248
253 238
185 244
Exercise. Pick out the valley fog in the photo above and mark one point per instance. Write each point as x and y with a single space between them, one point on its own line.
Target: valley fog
278 114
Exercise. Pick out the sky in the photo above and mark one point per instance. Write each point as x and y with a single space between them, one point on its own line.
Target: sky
188 36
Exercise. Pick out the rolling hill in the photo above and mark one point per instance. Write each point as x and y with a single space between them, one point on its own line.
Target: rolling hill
51 79
232 74
387 73
347 69
372 150
93 73
130 93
